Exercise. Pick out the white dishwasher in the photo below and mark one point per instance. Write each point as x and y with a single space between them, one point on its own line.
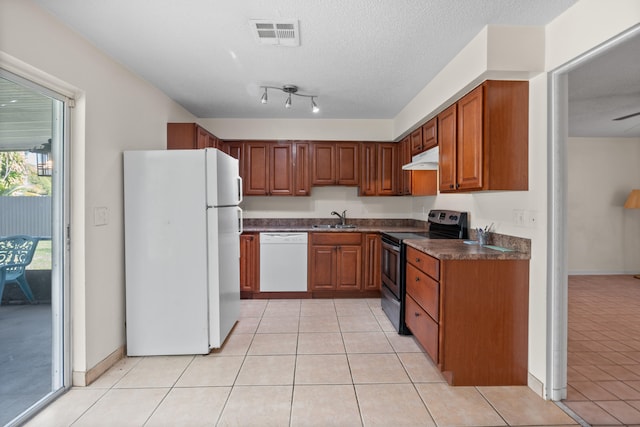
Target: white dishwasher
283 262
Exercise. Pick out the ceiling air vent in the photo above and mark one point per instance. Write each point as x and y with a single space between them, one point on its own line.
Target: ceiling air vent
283 33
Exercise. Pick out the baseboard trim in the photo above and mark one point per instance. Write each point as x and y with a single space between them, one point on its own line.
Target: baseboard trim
535 385
83 379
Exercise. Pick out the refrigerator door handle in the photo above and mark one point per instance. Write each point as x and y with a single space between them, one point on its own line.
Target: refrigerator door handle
239 179
240 221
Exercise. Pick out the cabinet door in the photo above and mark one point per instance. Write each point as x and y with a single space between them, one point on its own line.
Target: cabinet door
322 267
405 157
447 130
234 149
302 174
470 137
280 169
349 268
256 168
416 142
202 138
249 262
323 160
368 168
372 247
423 327
181 136
430 134
347 161
388 171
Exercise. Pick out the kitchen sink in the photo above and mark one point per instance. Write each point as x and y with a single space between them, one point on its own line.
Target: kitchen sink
340 226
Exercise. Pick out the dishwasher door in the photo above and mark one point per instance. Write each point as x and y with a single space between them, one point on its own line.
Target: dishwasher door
283 262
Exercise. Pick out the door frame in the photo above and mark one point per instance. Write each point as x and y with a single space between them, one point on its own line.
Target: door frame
557 246
61 375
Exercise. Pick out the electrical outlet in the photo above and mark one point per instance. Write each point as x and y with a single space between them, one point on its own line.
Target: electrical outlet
531 219
519 217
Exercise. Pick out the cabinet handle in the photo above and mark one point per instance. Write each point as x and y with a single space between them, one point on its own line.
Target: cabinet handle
417 279
451 186
417 314
418 260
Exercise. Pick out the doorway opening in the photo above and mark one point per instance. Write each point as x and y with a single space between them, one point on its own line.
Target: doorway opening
557 279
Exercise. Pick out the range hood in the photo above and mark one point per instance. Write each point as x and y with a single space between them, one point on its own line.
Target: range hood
427 160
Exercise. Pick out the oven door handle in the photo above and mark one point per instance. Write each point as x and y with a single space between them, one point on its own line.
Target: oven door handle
390 246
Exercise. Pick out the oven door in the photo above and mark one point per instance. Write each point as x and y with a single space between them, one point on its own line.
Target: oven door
390 263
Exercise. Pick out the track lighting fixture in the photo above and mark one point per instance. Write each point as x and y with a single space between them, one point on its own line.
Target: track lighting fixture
290 90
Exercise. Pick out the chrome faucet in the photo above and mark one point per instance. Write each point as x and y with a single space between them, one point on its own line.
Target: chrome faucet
343 217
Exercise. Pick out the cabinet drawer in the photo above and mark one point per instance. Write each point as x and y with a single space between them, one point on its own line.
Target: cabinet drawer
424 262
332 238
422 327
424 290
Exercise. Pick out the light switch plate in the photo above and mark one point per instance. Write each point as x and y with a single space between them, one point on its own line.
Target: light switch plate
100 216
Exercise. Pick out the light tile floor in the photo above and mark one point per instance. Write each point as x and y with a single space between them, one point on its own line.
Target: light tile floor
603 369
297 363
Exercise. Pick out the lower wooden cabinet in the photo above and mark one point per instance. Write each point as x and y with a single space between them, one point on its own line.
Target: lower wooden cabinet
470 316
339 264
249 264
372 246
335 261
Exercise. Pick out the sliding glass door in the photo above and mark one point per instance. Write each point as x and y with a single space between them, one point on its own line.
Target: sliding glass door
34 355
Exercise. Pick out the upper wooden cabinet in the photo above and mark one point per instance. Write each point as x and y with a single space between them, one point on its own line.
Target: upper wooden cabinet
334 163
301 170
430 134
380 169
405 157
234 149
268 168
185 136
483 139
416 141
424 137
447 140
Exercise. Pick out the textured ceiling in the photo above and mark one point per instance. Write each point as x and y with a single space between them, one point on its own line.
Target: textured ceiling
605 88
365 59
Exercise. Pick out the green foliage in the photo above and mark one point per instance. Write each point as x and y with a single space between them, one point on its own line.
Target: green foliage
18 178
13 169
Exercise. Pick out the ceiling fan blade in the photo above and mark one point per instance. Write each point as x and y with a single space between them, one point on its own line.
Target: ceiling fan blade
628 116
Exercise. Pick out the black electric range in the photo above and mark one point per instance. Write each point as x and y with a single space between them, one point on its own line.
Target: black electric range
443 224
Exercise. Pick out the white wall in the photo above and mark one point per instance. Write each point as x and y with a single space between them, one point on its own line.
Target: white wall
603 237
323 201
115 111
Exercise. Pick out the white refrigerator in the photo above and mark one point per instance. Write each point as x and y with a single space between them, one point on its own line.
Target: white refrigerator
182 250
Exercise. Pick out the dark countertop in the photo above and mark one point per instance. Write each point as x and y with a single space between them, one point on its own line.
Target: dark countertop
442 249
309 229
458 250
284 225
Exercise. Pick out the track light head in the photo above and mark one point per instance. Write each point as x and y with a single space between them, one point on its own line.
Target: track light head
290 90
